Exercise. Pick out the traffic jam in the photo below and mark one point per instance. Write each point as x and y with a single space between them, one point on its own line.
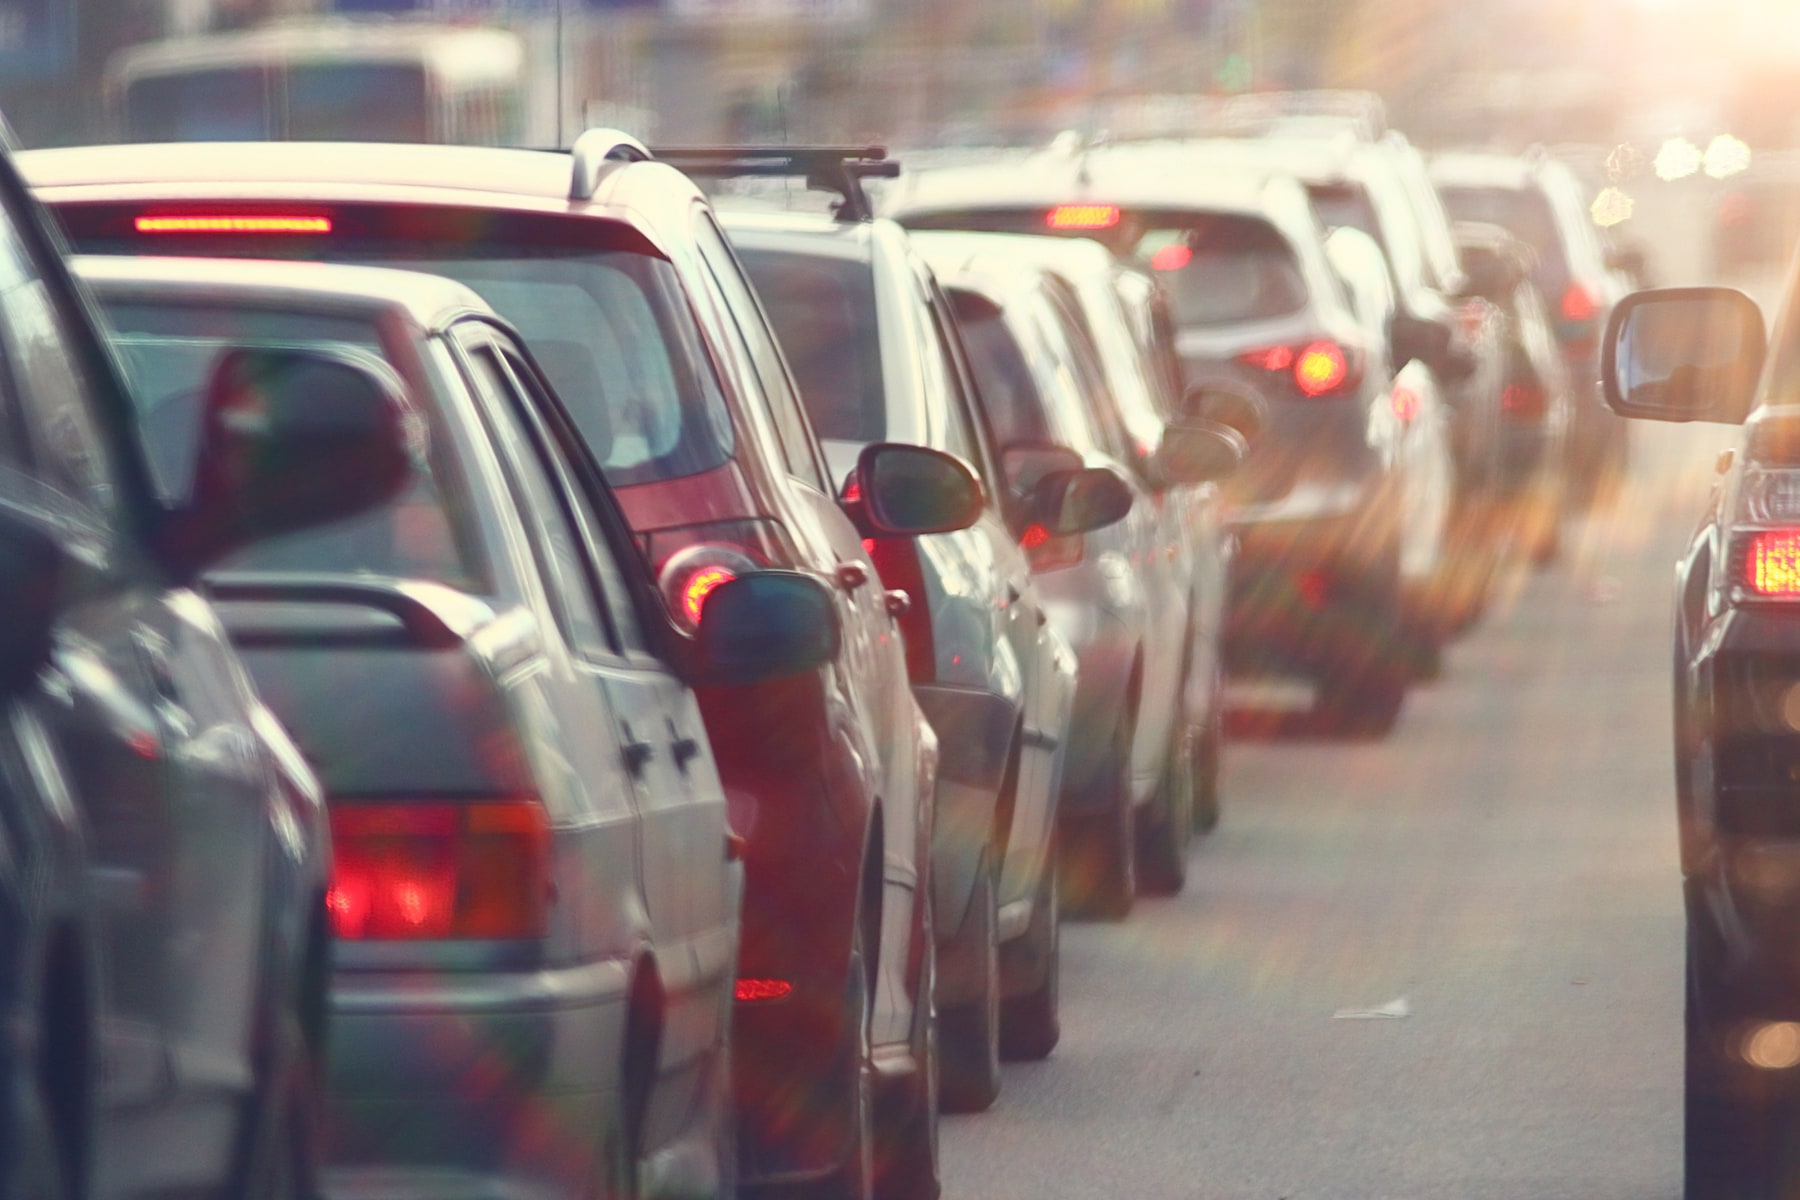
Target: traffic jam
629 670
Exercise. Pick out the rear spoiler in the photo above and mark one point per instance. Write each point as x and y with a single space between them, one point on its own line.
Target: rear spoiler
838 169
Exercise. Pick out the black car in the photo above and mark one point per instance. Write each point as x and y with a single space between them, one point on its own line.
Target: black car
163 918
1697 354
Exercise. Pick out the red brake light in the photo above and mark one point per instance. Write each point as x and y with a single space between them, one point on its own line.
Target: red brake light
1171 258
694 573
1046 552
751 990
1083 216
1577 305
234 223
439 871
1523 401
1405 404
1272 358
1321 368
1772 564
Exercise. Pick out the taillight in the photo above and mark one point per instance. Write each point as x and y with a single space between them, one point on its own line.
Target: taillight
1523 400
1405 404
1044 552
751 991
439 871
692 562
1577 305
1083 216
1172 257
247 223
1772 564
1317 368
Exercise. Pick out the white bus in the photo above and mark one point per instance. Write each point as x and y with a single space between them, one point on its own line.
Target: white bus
332 80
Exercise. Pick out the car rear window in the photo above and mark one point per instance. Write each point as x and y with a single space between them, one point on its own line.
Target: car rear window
604 315
229 104
823 311
1525 212
169 350
1220 269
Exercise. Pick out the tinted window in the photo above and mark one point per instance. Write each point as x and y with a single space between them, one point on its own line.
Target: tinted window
1523 211
199 106
169 349
823 310
1219 269
364 102
1004 382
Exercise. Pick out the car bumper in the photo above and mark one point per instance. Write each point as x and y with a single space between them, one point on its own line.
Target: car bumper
489 1086
1301 589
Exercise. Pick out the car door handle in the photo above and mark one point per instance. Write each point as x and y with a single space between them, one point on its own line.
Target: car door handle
638 754
851 576
686 750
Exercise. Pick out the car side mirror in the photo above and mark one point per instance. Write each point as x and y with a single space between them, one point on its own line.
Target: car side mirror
908 490
1684 354
1198 452
765 625
1078 501
1235 405
32 562
291 439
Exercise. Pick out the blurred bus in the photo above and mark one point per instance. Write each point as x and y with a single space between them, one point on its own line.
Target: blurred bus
336 80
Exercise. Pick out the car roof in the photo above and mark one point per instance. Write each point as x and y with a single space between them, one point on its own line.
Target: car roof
1464 168
988 263
429 301
809 233
322 173
1135 174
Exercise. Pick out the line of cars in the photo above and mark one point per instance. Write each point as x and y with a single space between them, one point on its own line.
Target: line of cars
675 662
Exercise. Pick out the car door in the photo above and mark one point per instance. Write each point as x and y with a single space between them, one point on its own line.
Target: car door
681 829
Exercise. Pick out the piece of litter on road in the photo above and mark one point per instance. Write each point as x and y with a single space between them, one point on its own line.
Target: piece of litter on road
1579 982
1393 1010
1605 590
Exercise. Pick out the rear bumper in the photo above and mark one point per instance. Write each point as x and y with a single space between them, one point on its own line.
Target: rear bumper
489 1085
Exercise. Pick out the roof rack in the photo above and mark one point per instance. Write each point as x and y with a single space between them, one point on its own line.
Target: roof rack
839 169
593 152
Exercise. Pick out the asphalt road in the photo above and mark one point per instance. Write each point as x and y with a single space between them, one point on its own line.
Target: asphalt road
1502 870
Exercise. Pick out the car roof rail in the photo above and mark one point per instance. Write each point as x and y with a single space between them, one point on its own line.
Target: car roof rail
839 169
596 150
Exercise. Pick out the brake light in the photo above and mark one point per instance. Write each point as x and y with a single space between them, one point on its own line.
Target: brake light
1405 404
1273 358
1171 258
1321 368
234 223
692 562
1577 304
689 577
1523 401
1772 564
749 991
439 871
1046 552
1083 216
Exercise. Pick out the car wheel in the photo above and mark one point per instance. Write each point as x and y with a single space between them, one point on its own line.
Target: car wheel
37 1161
283 1155
1167 827
1100 851
906 1160
969 1033
853 1177
1362 696
1031 1022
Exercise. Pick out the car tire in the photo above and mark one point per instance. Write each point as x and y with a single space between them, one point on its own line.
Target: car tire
969 1033
1099 870
906 1160
1362 696
1031 1022
1165 829
853 1178
282 1159
39 1152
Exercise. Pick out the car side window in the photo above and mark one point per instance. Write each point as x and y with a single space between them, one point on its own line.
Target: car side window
50 387
964 439
614 589
547 522
771 370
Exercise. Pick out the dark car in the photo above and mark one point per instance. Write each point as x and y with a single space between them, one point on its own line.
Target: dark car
613 268
873 345
523 803
1540 200
1321 509
163 912
1697 354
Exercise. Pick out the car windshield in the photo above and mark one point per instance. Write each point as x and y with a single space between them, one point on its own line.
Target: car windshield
824 314
169 349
